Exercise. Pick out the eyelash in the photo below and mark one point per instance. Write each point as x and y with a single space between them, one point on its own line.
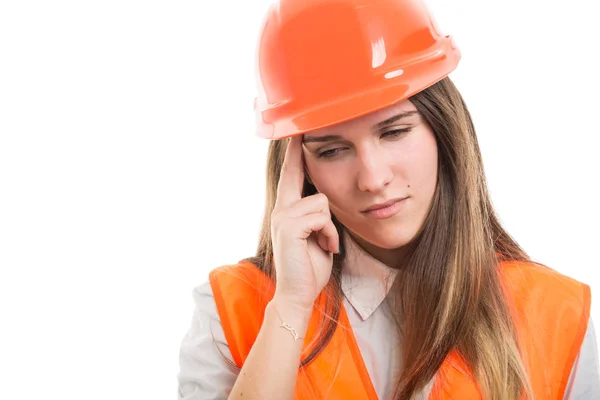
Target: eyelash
394 133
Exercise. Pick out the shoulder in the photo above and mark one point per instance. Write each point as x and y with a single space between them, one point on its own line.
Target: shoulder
534 269
531 279
551 312
241 292
240 271
545 298
221 292
240 281
240 288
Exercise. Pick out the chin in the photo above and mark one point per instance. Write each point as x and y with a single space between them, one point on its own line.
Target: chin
390 243
387 238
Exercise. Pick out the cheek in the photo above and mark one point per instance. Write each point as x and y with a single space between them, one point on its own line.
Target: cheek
330 180
420 163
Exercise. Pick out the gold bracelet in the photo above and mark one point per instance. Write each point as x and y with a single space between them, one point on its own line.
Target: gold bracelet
287 326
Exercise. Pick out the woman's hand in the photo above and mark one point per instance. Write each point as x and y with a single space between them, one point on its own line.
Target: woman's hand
303 234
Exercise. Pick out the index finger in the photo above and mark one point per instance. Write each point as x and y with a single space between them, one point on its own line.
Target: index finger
291 179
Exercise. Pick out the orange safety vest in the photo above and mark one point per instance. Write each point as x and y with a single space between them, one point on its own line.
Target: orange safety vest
551 313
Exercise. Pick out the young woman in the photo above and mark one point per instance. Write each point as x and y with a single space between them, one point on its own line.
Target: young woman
382 271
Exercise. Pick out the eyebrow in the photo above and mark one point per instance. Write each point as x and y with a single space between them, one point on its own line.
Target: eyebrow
379 125
395 118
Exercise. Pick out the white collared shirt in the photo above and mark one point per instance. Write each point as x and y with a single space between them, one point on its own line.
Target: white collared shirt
205 375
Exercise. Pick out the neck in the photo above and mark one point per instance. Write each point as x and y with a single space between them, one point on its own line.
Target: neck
390 257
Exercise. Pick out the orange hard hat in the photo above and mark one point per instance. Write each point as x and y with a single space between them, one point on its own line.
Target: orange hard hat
322 62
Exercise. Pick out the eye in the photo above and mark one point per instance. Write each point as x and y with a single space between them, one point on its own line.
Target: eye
329 153
392 135
395 133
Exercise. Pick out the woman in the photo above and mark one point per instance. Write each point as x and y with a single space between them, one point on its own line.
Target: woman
382 270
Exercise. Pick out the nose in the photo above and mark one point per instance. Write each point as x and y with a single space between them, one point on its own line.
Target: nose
374 171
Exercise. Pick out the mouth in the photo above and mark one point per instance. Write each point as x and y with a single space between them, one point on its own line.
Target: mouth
385 210
380 206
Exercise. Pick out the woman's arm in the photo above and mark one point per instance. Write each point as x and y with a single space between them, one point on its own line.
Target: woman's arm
204 373
271 369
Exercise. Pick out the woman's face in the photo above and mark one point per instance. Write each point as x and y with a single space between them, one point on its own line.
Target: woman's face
386 155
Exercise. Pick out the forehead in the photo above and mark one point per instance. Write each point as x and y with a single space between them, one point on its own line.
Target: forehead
367 121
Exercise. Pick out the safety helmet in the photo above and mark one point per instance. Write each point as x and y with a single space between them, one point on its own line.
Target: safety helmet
322 62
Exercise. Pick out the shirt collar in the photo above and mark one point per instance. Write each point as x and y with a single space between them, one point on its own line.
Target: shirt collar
365 280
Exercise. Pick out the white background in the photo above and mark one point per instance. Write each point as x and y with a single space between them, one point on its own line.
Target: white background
129 168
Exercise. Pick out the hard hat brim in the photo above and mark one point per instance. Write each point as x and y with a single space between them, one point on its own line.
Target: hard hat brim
422 74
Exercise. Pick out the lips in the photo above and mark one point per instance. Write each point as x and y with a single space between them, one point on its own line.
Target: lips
383 205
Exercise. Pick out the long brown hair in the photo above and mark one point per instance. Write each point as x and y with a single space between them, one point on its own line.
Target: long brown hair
451 267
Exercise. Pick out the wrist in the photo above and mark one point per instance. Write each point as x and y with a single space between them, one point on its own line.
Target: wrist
293 304
297 315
